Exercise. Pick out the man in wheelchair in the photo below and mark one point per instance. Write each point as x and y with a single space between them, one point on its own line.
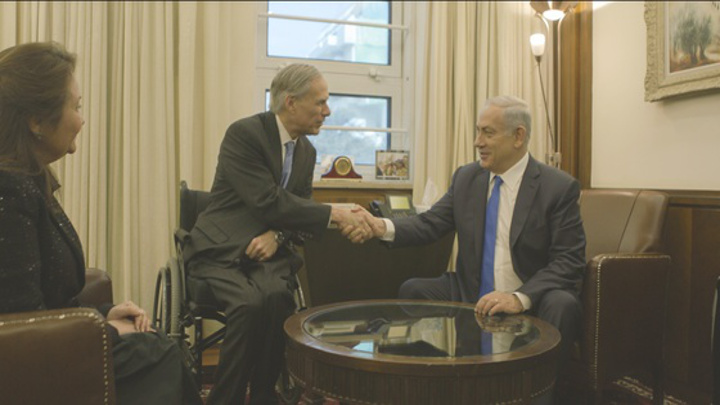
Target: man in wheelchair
241 246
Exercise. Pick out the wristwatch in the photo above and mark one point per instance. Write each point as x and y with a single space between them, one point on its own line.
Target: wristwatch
279 238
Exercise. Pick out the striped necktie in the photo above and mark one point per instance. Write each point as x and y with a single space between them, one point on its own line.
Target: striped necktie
287 164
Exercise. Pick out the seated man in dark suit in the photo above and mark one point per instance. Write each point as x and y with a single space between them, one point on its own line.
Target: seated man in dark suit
521 243
241 245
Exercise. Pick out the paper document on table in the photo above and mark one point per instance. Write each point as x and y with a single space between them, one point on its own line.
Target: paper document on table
398 331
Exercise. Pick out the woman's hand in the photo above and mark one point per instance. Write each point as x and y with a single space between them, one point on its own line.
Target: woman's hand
130 312
123 326
262 247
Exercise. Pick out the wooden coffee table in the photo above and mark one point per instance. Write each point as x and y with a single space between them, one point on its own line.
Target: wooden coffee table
420 352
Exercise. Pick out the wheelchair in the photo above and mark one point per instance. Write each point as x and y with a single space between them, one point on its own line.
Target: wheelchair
177 308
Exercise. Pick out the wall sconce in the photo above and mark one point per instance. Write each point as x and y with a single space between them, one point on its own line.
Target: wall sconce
551 13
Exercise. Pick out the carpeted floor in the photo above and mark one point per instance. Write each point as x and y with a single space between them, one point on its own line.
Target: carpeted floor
626 391
632 392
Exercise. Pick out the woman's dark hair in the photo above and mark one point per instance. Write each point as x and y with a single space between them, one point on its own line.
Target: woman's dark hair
34 82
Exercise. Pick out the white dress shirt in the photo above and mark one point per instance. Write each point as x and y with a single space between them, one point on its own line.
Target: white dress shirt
284 137
506 280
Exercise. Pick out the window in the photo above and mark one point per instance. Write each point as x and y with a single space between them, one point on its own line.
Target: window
358 46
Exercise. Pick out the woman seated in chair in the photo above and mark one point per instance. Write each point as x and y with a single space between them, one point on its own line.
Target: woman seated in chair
41 260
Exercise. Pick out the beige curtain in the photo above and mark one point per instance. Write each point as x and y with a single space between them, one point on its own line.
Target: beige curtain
468 52
160 83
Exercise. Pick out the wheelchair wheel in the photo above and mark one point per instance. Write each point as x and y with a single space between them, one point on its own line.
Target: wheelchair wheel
161 304
168 301
177 294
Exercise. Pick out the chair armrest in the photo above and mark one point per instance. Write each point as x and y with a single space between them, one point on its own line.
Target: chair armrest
98 288
624 307
57 355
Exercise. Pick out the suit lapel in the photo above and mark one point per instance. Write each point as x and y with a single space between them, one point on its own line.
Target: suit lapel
525 199
273 133
479 191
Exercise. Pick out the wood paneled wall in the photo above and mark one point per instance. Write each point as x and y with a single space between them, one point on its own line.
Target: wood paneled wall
575 107
692 231
692 238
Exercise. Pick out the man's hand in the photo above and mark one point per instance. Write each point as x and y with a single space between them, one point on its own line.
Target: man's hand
377 225
352 223
262 247
498 302
127 314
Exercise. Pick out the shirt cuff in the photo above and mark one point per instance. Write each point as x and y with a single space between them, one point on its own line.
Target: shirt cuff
524 300
389 235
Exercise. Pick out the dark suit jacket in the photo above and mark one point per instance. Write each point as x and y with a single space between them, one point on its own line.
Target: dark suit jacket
247 198
41 259
546 235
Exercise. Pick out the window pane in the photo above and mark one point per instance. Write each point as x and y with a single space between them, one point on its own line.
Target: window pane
352 111
325 41
360 146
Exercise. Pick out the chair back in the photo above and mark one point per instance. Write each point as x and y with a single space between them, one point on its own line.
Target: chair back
192 203
98 288
623 221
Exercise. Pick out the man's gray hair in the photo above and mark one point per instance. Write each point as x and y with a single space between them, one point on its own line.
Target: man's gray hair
516 112
293 80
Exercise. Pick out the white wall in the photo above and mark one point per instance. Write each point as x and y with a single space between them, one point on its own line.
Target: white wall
663 145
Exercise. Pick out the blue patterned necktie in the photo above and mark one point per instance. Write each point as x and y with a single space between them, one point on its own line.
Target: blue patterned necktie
487 275
287 164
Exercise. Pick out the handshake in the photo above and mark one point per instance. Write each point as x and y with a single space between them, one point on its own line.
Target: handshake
357 224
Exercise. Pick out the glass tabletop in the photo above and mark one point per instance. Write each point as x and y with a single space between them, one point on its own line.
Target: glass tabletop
430 329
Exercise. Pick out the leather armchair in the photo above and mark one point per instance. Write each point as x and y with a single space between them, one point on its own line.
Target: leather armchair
623 292
59 356
98 288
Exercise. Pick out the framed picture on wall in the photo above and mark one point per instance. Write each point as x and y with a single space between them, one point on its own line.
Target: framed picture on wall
683 48
392 165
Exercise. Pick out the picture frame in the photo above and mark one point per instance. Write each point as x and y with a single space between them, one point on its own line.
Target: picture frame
681 61
392 165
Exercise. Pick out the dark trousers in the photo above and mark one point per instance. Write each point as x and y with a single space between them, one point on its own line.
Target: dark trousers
149 370
256 300
560 308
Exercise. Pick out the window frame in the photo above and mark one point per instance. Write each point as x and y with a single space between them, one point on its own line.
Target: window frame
357 79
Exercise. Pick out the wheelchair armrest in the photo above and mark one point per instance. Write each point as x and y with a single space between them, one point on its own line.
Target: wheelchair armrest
299 237
181 236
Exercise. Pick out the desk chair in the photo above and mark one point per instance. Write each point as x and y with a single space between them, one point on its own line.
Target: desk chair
182 302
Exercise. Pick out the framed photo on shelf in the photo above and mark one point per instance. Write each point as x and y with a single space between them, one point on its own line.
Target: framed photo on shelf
392 165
